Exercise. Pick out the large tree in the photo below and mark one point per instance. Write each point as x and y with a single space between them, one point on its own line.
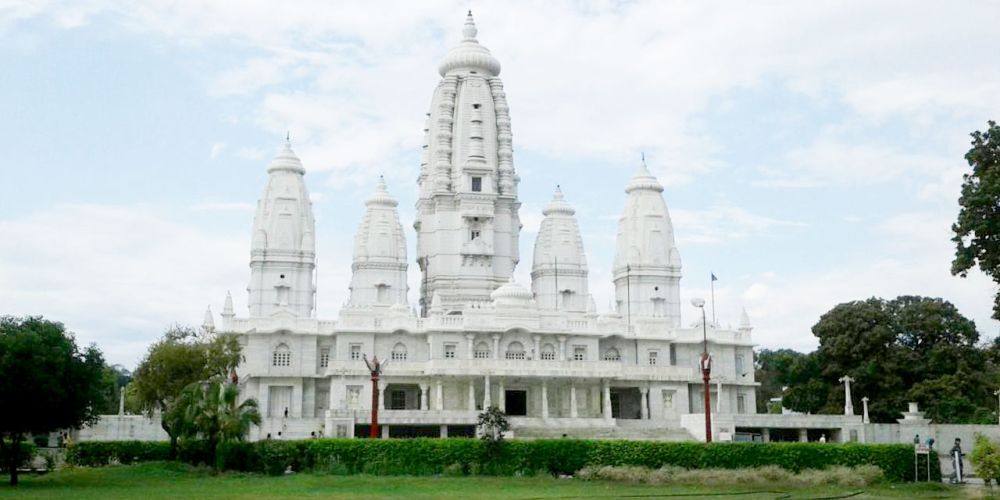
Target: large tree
906 349
773 370
47 383
180 358
977 229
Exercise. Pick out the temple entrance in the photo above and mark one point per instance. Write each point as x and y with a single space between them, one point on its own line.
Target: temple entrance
626 403
516 402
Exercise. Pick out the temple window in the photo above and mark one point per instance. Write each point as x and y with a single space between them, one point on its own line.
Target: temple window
515 350
282 356
355 352
477 184
449 351
399 352
324 357
548 352
653 357
579 353
612 355
482 351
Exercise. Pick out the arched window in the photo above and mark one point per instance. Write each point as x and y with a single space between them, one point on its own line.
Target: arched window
482 351
515 350
399 352
612 354
548 352
282 356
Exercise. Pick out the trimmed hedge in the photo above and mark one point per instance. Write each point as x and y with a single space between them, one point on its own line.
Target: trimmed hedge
100 453
426 456
28 450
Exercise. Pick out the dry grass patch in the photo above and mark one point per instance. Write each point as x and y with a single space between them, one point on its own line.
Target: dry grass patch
760 476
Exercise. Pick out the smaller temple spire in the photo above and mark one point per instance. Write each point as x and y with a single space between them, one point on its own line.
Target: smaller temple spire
745 320
209 324
469 31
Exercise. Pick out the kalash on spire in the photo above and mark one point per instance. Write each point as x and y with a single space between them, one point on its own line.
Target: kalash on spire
467 212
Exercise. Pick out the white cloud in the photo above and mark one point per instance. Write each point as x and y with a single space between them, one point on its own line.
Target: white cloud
217 150
116 275
722 223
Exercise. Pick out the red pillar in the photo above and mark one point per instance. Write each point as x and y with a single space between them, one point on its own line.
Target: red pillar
374 426
706 371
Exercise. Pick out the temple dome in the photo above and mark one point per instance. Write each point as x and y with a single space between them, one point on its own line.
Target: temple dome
469 54
286 160
512 294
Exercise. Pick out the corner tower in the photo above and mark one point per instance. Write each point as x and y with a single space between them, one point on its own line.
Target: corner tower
378 273
647 266
283 251
559 266
467 213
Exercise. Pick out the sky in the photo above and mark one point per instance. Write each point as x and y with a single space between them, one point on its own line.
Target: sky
811 152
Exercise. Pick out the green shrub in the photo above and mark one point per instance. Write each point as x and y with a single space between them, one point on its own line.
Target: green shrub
425 456
99 453
760 476
26 456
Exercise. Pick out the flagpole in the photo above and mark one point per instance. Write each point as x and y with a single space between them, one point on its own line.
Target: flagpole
713 299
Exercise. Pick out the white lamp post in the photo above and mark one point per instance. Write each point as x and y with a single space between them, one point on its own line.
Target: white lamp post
706 369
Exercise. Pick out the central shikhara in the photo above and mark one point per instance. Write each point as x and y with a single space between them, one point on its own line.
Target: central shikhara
544 355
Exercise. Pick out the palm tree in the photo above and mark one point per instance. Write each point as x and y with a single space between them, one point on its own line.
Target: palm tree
210 410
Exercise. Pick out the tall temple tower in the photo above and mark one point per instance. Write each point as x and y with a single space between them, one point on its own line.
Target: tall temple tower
283 250
467 212
647 266
378 273
559 264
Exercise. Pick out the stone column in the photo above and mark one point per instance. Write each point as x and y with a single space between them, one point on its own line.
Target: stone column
487 400
439 397
803 436
537 355
385 431
472 395
470 345
644 402
545 400
501 396
496 346
719 408
562 348
572 400
381 395
444 431
423 396
864 414
848 403
765 434
607 401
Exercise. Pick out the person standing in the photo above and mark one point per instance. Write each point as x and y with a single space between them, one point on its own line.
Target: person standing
956 457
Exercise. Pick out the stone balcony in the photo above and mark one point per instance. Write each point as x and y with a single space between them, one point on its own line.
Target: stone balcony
610 370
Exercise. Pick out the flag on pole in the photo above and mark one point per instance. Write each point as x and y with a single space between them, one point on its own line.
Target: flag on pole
714 278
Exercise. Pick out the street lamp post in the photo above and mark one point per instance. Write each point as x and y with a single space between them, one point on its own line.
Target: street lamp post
375 367
706 369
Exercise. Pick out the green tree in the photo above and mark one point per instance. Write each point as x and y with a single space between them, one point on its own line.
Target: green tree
211 410
180 358
492 425
773 370
985 459
47 383
977 229
114 378
906 349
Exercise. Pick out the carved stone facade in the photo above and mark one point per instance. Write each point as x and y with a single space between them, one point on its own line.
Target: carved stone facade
543 354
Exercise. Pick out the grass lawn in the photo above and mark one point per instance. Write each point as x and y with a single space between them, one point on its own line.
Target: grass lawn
154 481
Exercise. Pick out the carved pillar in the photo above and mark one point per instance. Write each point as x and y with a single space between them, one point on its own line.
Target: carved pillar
423 396
487 401
572 400
439 398
496 346
381 395
545 400
562 348
470 344
501 396
607 400
537 354
644 402
472 395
